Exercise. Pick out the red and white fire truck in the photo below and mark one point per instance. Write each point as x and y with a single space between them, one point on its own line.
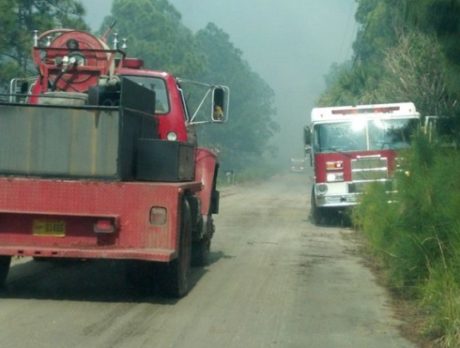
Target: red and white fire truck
351 146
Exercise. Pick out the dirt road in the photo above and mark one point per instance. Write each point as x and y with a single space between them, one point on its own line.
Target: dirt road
275 281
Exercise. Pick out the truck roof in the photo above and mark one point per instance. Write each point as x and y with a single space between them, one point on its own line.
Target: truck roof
143 72
338 113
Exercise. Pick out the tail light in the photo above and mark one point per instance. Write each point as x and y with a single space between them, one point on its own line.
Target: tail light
158 216
105 226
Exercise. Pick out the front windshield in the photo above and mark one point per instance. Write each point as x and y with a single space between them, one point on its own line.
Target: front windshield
342 137
159 87
364 135
391 134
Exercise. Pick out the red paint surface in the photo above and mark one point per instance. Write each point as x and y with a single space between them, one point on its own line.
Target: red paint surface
174 120
79 204
206 162
322 158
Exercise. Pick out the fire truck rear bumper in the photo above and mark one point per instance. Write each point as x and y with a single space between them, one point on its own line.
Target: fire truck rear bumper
161 255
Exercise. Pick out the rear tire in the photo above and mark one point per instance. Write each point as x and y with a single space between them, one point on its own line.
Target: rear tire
4 268
175 276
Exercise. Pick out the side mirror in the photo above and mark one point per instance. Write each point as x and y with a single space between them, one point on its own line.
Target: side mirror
220 102
307 143
306 135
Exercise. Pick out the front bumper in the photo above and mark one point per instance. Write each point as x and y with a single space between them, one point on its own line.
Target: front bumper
337 201
345 194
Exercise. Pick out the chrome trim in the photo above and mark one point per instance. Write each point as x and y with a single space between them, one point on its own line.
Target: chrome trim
371 168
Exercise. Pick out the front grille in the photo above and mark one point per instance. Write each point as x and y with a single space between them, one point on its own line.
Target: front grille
360 187
369 168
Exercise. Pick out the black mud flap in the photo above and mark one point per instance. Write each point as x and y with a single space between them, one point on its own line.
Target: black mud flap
215 197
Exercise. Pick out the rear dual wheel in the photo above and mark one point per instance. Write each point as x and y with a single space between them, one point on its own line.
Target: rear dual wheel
175 276
172 278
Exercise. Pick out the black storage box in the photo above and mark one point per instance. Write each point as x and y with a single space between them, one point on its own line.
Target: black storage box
162 160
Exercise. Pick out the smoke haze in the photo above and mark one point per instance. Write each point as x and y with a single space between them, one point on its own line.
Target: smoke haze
291 44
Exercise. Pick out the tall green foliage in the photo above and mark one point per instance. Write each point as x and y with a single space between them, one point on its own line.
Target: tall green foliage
18 19
404 50
246 136
417 236
414 71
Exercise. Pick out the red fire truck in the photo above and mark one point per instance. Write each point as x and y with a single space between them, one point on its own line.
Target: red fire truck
98 160
351 146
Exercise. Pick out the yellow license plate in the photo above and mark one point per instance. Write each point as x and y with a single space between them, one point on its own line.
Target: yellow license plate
54 228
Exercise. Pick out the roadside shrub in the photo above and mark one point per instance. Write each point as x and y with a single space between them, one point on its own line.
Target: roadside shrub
417 236
377 219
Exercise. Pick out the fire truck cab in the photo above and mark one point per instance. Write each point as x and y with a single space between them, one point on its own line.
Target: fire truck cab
352 146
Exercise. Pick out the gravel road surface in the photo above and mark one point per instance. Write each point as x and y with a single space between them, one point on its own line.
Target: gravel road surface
274 280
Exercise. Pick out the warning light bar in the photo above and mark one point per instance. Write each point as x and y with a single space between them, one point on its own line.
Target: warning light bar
380 110
349 112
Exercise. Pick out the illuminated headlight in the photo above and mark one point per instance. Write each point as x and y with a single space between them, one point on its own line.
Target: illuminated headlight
321 188
171 136
333 177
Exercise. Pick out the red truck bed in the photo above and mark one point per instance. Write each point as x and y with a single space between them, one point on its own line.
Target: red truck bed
57 218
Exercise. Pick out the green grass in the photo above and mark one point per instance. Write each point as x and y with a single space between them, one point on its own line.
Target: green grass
417 237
